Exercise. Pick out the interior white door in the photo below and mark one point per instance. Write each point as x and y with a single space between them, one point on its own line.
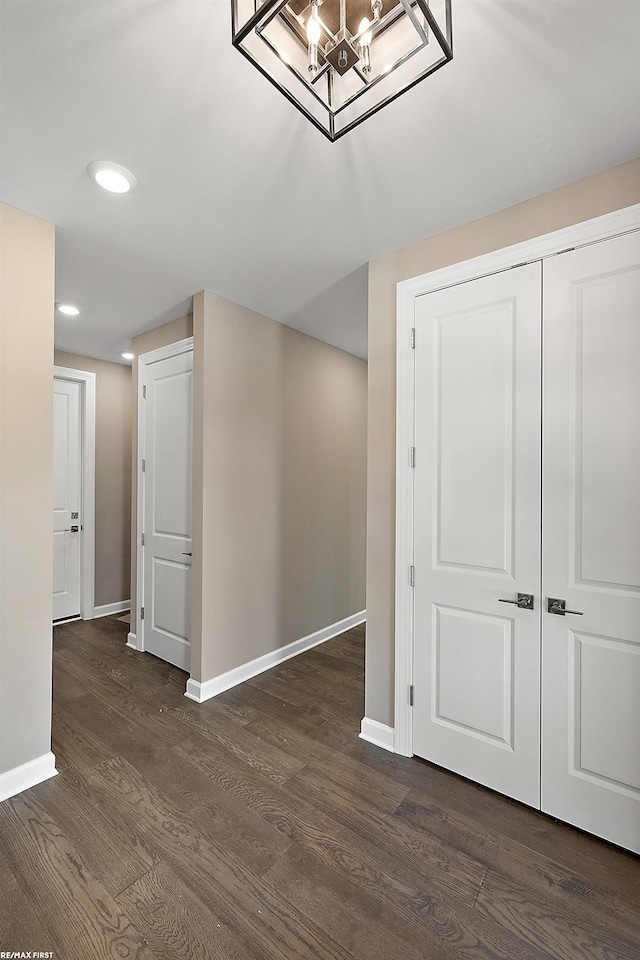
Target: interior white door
477 530
167 508
67 495
591 538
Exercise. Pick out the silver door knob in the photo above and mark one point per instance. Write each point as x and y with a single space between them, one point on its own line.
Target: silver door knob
559 607
524 601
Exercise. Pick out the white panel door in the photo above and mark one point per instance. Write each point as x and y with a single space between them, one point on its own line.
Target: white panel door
167 510
591 537
477 531
67 487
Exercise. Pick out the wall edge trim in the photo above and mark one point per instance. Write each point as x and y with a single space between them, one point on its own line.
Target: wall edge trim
380 734
27 775
132 641
211 688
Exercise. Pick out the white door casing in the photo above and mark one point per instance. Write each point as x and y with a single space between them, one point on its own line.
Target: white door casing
67 497
166 449
476 515
591 539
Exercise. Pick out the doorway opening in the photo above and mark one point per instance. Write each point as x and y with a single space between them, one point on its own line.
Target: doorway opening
74 416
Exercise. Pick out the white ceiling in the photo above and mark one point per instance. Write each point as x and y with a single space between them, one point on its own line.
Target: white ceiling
239 194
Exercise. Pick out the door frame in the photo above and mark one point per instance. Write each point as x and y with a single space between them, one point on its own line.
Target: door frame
407 291
87 383
136 641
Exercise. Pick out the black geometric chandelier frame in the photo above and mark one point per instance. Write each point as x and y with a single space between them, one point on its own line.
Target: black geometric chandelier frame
340 61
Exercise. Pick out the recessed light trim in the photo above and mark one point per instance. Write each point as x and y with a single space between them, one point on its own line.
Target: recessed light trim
68 309
127 356
111 176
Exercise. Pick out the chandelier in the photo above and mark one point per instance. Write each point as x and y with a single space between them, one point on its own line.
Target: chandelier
340 61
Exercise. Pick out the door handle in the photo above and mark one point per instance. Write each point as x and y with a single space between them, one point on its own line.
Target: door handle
524 601
73 529
186 554
559 608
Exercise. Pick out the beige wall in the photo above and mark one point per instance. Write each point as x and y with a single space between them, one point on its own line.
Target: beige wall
171 332
26 486
279 485
113 474
593 197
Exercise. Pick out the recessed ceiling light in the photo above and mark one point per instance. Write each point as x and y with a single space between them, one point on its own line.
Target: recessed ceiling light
111 176
127 356
68 309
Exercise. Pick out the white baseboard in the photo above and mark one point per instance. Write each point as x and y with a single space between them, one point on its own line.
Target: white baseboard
211 688
108 609
132 641
27 775
378 733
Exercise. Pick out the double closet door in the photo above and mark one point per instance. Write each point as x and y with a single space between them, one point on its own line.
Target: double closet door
527 534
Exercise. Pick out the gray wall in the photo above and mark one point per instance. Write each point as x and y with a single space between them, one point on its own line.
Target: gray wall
113 474
26 485
279 485
593 197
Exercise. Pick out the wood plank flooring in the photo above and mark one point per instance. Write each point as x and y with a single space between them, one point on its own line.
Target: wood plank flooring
258 826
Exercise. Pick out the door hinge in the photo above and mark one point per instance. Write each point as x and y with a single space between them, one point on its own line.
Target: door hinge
142 539
412 576
412 454
413 338
142 613
144 465
144 391
411 695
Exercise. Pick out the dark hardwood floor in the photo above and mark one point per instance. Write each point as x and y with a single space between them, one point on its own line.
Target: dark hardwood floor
258 826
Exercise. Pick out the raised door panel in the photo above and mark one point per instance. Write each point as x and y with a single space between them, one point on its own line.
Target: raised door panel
477 530
170 455
472 650
591 555
474 423
604 681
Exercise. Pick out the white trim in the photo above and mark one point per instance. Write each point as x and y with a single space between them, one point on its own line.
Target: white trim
87 381
378 733
211 688
405 439
27 775
132 642
108 609
581 234
162 353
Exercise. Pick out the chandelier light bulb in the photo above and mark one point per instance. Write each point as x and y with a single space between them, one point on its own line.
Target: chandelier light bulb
365 38
364 41
313 30
313 35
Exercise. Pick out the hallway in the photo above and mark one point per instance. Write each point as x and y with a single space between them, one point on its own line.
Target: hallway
257 826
